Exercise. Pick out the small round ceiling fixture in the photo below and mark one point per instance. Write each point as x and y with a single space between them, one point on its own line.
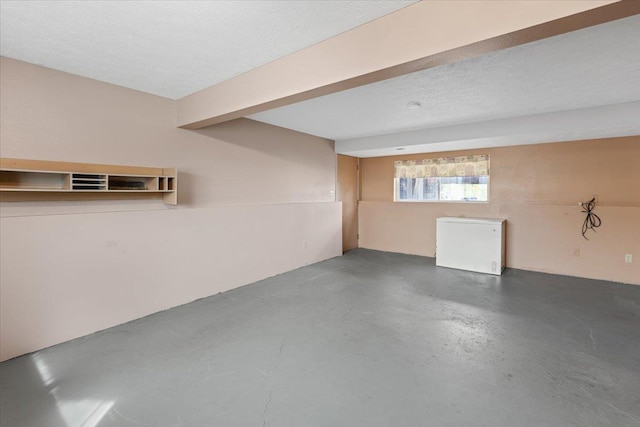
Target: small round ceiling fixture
413 105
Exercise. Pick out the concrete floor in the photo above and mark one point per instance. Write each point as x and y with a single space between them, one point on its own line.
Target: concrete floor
368 339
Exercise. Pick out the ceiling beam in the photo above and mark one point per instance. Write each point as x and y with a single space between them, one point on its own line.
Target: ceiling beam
423 35
606 121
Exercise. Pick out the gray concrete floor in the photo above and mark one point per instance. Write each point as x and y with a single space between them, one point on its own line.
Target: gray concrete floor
368 339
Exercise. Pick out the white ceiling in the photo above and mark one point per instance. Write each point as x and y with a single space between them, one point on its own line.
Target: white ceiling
607 121
593 67
580 85
172 48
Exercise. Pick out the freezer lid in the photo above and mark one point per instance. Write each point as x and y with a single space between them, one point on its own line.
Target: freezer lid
449 219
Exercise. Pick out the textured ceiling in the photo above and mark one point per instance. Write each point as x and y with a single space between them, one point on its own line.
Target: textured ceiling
579 85
172 48
607 121
592 67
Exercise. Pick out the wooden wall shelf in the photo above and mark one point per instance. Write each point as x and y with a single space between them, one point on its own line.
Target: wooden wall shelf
30 180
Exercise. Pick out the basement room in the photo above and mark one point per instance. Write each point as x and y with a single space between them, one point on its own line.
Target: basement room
280 213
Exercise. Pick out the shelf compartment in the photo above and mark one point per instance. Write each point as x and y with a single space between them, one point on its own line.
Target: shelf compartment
89 177
88 182
21 180
132 183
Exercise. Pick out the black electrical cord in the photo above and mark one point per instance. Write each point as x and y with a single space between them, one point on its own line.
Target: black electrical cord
592 221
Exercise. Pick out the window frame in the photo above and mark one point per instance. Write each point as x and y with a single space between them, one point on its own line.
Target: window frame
397 192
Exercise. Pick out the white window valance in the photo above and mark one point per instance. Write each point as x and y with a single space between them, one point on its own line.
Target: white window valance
443 166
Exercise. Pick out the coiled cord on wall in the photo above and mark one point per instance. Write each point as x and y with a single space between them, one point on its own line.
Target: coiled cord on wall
592 221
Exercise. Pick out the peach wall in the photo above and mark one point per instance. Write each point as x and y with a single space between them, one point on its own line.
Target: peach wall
254 200
537 189
348 194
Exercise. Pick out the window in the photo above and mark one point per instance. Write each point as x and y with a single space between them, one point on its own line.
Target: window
448 179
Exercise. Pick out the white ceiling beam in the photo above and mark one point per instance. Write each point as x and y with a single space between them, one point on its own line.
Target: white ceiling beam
606 121
420 36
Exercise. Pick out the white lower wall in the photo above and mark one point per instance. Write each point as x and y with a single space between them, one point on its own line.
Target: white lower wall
64 276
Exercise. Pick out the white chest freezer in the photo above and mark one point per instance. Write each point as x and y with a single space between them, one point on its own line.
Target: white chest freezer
474 244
